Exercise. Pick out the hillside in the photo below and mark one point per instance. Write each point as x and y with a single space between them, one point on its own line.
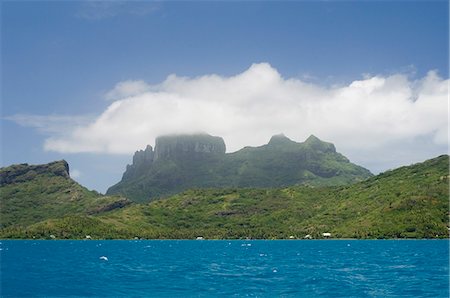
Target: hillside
408 202
182 162
33 193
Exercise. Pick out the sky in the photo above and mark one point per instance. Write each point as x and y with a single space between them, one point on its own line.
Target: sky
93 82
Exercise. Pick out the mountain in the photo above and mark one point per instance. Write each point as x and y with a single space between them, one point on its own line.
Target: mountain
181 162
33 193
408 202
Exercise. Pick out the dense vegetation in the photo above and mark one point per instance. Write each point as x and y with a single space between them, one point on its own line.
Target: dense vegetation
408 202
199 161
31 194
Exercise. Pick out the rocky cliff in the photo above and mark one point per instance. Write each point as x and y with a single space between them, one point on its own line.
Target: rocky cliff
174 147
25 172
142 160
181 146
144 156
181 162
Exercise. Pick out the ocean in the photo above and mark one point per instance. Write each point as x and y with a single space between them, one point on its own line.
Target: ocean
203 268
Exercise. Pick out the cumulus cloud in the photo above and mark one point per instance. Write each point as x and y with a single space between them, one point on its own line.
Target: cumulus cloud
126 89
373 114
248 108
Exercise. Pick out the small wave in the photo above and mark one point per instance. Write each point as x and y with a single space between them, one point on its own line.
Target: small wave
401 266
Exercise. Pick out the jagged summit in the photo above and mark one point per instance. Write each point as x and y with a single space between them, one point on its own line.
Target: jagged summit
279 139
315 143
181 162
174 146
143 156
281 143
312 138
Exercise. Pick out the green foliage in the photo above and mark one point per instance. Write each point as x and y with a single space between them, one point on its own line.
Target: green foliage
409 202
30 194
68 227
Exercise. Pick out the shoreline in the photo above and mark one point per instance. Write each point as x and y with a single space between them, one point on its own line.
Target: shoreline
183 239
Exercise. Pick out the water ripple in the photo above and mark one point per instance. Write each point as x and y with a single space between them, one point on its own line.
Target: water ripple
225 268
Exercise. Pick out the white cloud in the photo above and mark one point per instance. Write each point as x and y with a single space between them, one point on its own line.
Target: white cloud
50 124
126 89
75 174
368 115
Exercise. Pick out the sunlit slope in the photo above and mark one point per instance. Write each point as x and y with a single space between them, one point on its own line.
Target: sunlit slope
408 202
33 193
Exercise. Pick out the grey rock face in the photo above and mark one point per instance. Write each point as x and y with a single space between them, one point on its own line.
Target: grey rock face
178 146
143 156
173 147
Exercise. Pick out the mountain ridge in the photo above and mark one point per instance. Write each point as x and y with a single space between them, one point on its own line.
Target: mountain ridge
186 161
407 202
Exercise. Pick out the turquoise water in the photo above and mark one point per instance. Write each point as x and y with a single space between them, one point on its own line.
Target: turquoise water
343 268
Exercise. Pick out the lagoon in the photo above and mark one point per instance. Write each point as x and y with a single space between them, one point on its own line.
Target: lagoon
255 268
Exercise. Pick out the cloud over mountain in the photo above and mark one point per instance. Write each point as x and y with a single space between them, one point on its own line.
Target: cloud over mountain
246 109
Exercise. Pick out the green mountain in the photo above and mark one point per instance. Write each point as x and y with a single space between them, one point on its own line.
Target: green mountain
181 162
408 202
33 193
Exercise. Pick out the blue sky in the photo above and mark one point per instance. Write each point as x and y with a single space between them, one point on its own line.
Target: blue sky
60 59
